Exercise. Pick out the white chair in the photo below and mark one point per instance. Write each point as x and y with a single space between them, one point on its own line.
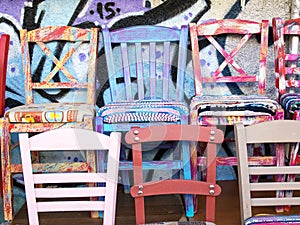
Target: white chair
263 193
57 173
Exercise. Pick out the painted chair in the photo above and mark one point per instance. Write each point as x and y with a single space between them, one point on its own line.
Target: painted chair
4 46
146 70
47 198
137 137
262 193
59 64
224 89
286 42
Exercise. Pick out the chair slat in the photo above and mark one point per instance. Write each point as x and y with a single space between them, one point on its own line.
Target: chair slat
139 70
70 206
166 70
152 69
77 192
126 71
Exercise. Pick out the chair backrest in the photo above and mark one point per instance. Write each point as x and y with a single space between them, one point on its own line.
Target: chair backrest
146 62
286 49
58 60
175 132
4 45
238 62
57 174
271 132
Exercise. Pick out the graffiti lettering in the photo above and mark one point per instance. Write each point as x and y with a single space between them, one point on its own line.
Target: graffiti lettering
108 10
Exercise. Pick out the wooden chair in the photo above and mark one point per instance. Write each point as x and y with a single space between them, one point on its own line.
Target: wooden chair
4 46
263 193
58 62
146 70
286 38
137 137
47 198
223 95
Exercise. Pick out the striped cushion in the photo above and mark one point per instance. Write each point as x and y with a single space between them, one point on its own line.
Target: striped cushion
273 220
234 105
290 102
143 111
50 113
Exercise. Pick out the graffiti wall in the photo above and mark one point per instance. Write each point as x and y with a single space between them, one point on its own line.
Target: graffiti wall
18 14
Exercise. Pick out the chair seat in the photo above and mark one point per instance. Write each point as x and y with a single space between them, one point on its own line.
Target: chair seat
50 113
182 223
143 111
273 219
290 102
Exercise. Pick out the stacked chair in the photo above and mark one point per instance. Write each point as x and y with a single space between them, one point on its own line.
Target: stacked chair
286 47
47 198
226 108
49 55
137 137
262 193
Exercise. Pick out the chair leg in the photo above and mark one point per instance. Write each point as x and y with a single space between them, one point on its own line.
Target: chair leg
6 175
189 205
293 150
280 153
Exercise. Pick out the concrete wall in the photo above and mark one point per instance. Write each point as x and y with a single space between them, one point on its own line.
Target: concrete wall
17 14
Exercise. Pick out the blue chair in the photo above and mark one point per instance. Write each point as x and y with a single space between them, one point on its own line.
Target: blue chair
146 71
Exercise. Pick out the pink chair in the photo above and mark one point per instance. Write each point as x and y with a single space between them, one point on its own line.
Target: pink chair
43 198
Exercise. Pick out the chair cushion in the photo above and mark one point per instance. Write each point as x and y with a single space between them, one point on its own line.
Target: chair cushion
143 111
273 220
222 109
290 102
234 105
50 113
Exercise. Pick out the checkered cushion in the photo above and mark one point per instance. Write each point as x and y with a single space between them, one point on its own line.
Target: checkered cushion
50 113
273 220
142 111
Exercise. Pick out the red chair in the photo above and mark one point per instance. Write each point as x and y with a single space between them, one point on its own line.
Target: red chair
4 46
137 137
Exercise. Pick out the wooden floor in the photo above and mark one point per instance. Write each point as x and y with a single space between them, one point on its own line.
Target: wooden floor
163 208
